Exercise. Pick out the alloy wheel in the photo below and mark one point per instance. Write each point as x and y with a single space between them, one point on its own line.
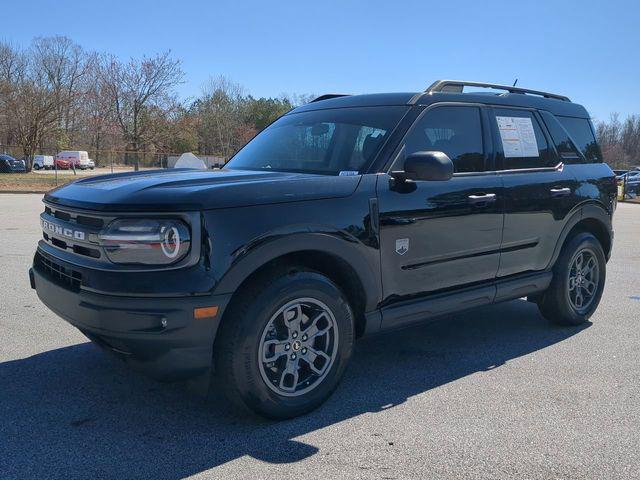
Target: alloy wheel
583 279
298 346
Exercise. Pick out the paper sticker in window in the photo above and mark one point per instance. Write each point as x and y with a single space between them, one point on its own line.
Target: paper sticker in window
518 137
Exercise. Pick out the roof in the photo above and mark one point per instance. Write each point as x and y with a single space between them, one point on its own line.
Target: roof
440 91
368 100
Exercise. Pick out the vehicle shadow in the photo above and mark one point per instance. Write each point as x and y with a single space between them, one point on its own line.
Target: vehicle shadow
74 412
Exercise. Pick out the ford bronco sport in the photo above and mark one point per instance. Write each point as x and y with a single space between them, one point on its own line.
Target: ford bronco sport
347 216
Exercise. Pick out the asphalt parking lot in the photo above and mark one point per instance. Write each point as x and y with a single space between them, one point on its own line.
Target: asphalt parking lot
493 393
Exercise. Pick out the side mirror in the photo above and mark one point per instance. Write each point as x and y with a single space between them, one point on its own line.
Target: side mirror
433 166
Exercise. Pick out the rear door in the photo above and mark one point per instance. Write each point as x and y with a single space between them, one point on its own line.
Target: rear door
539 191
437 235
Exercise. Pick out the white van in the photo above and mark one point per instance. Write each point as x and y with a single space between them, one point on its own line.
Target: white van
44 162
79 158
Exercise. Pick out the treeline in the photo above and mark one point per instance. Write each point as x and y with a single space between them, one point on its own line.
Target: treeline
620 141
54 95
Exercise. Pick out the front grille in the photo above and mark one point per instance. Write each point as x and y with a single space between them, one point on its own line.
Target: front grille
75 222
63 215
77 249
59 274
90 221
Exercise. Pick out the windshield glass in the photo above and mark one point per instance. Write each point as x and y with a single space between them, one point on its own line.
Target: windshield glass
322 141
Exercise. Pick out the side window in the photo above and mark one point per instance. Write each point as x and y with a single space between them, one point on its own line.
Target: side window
522 140
456 131
581 133
564 145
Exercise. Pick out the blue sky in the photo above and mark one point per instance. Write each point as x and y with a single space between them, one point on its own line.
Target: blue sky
587 50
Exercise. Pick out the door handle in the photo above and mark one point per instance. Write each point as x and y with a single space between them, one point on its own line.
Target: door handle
482 198
560 192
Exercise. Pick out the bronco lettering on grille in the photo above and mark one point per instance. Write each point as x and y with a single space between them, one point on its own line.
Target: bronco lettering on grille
60 230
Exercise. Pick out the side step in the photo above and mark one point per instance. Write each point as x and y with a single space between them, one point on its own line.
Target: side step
436 305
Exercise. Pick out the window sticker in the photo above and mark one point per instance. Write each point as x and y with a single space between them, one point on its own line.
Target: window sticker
348 173
518 137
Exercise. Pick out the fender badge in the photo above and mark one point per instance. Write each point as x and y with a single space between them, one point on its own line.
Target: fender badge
402 246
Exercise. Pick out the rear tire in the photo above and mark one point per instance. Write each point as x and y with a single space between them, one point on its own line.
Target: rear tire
284 344
578 282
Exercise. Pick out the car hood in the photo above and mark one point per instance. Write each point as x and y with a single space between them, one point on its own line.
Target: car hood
187 189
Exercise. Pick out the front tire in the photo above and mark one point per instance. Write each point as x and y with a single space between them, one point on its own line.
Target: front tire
578 282
284 344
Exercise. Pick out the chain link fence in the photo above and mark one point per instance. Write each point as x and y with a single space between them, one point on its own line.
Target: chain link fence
106 162
118 160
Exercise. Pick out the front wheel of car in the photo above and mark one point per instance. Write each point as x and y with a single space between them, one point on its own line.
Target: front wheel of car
578 282
284 344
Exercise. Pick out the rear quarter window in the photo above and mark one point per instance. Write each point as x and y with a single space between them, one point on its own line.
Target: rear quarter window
568 151
582 135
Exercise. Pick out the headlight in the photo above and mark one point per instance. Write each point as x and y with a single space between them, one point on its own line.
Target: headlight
146 241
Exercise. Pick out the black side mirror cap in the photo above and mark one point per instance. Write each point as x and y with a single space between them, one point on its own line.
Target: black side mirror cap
429 166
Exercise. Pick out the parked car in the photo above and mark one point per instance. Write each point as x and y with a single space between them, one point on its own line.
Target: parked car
44 162
61 164
77 158
347 216
90 165
631 181
8 164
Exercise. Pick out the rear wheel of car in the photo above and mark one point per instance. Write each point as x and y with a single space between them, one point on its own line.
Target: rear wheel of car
36 167
578 282
284 344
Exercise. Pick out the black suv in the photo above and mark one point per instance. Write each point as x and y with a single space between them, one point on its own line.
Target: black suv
347 216
8 164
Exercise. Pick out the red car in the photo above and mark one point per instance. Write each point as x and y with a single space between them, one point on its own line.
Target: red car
62 164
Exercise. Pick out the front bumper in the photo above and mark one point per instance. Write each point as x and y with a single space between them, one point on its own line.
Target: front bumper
158 336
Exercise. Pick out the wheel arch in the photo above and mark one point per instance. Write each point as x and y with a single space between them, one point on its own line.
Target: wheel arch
342 262
591 218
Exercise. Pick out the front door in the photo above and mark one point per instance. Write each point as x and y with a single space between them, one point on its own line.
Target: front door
437 235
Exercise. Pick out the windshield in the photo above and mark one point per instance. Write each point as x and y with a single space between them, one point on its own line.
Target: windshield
331 142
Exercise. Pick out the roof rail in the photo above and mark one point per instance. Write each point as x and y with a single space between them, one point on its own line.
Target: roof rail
457 86
327 96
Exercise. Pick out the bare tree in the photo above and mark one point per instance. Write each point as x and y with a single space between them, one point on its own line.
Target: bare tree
27 100
56 95
65 66
98 117
630 138
220 112
134 89
297 99
620 141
